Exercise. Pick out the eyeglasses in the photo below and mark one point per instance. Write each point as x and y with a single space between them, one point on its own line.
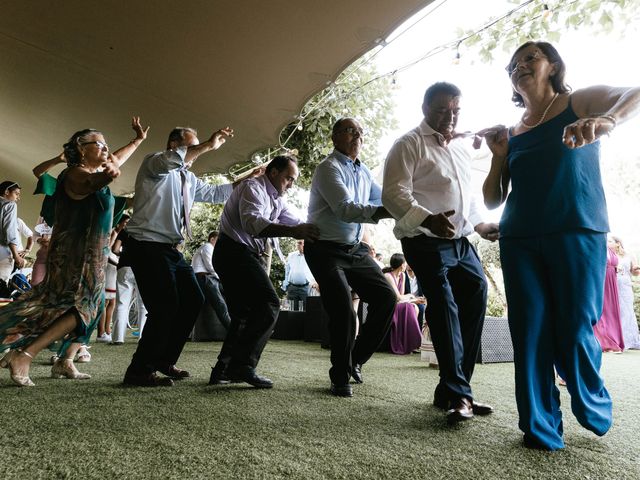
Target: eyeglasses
354 131
97 143
526 60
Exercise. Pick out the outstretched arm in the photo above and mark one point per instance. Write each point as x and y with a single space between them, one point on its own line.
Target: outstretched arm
81 183
600 109
216 140
122 154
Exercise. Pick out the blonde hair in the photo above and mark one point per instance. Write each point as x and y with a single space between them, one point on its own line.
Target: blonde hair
619 246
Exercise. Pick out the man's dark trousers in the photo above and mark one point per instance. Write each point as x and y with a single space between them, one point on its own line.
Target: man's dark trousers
170 292
451 276
252 301
338 269
211 289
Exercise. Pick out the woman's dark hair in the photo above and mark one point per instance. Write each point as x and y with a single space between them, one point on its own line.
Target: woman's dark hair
8 185
557 80
396 260
71 152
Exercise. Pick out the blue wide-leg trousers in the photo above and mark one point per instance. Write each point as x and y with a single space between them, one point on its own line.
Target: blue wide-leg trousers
555 286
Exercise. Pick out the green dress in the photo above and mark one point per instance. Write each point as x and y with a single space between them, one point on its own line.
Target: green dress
75 276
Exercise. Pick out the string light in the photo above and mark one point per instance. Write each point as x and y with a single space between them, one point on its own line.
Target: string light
456 59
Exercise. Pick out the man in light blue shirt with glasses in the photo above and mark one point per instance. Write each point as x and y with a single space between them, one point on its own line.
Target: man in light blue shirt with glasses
343 196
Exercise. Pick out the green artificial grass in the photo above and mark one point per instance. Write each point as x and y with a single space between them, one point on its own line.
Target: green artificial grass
97 429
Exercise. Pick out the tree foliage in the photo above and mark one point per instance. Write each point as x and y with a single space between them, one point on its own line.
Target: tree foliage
358 93
205 217
548 20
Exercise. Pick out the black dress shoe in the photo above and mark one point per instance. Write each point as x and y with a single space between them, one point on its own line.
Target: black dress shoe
218 376
481 408
441 402
356 373
341 390
174 372
146 380
460 411
248 375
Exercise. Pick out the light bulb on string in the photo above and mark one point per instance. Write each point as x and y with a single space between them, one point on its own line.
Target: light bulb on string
456 58
300 126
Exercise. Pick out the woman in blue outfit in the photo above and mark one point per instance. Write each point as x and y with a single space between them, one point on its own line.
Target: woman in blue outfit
553 238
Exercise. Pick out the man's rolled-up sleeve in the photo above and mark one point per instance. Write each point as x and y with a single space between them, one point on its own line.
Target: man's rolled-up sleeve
397 190
162 163
212 193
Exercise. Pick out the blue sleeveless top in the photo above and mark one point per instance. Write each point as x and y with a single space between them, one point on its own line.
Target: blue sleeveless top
553 188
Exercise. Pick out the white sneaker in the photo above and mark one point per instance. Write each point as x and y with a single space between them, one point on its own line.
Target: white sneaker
104 338
83 355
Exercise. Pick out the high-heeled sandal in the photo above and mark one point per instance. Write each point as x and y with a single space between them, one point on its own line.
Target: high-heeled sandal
20 380
64 367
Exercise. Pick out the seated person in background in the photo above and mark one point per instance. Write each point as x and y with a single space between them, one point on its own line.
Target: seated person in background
406 334
298 279
209 280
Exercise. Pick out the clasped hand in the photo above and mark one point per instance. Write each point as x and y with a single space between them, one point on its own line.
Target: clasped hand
307 231
440 225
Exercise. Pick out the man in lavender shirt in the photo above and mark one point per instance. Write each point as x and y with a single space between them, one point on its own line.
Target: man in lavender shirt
254 212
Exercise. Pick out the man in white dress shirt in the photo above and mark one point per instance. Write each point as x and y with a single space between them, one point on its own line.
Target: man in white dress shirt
298 279
427 189
209 280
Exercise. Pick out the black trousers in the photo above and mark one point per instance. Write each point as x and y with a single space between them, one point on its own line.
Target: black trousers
338 269
212 290
170 292
451 276
252 301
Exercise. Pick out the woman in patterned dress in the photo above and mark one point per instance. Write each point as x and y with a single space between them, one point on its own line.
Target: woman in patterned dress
67 304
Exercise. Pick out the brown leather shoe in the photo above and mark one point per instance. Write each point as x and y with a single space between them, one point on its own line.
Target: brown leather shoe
174 372
461 410
146 380
481 408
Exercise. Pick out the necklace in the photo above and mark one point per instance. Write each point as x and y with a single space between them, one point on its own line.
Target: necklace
544 114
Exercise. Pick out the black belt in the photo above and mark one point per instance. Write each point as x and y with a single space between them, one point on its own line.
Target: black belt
299 285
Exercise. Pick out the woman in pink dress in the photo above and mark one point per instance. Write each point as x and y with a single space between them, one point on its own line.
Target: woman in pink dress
405 329
608 330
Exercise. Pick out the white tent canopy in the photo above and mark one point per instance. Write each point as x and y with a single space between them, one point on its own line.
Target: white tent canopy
249 64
